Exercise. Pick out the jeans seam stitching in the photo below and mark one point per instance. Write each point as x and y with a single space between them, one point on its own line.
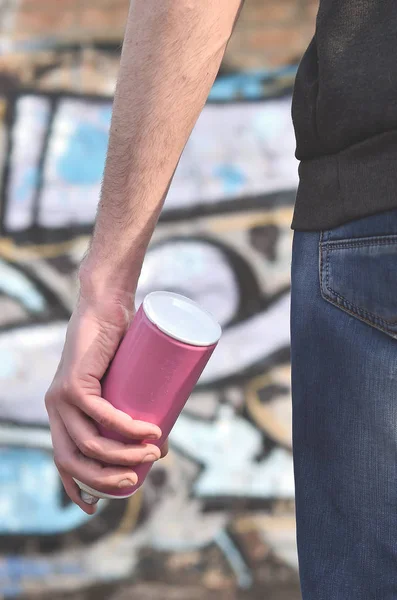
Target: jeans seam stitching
370 319
321 259
360 317
357 309
334 245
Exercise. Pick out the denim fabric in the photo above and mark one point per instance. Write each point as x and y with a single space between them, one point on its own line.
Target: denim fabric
344 381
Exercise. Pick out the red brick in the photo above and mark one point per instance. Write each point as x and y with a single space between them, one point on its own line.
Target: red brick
267 47
104 21
276 38
48 5
262 12
44 24
269 32
71 19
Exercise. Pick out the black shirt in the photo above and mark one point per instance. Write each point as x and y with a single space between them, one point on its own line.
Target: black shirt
345 114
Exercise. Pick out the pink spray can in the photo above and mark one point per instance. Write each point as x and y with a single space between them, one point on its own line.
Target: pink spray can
155 369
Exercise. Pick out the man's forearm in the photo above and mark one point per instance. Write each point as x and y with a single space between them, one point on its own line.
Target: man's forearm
171 55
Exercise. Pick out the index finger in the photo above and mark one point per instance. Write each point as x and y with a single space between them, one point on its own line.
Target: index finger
113 419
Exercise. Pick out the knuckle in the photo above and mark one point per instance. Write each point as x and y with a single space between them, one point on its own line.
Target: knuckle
155 451
69 390
63 463
48 399
133 457
104 420
89 447
98 483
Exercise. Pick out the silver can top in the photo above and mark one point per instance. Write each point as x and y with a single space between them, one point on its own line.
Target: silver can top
182 318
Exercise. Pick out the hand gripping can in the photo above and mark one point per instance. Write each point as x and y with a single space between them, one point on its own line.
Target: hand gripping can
155 369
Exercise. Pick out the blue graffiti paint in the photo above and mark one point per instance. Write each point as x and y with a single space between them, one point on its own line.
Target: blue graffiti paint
27 186
15 284
15 568
84 158
11 590
16 571
8 364
229 549
233 178
30 495
249 85
105 115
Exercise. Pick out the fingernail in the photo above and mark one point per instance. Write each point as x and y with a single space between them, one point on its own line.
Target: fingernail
154 436
149 458
127 482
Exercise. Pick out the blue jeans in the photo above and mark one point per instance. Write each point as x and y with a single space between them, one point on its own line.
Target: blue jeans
344 381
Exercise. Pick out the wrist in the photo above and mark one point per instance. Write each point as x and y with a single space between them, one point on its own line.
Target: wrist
114 259
102 283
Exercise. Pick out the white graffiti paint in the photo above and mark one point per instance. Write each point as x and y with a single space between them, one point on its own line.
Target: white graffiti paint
183 266
234 151
246 343
173 523
32 115
228 449
28 359
74 163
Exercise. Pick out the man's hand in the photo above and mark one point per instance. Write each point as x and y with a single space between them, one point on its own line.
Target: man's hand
75 405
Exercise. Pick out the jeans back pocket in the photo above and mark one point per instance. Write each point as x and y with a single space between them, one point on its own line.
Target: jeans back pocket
359 275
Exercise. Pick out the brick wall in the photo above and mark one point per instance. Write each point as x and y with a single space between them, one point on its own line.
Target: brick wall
269 32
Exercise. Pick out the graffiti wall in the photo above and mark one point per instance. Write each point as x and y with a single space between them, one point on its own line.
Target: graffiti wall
216 516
